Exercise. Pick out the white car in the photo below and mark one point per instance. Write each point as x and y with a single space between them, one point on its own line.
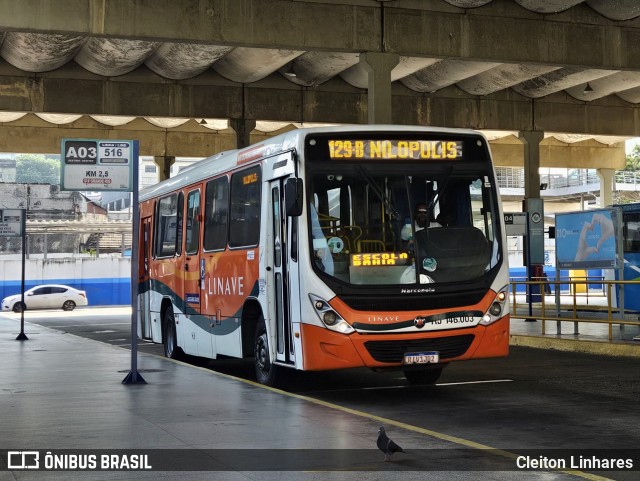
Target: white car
50 296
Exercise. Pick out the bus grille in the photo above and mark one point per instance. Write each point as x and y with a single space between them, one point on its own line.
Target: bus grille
407 303
393 351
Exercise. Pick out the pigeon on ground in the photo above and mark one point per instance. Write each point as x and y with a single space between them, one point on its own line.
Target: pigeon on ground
386 445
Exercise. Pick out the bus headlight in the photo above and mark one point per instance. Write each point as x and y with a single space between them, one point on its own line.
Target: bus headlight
496 308
330 318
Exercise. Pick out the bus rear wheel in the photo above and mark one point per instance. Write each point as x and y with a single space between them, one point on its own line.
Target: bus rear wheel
423 376
171 349
266 372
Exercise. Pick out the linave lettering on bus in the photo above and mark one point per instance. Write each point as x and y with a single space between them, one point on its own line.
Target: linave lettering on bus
228 286
383 318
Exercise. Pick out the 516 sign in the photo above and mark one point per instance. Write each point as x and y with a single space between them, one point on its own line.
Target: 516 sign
92 165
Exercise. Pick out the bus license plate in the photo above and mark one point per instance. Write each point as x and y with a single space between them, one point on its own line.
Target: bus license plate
431 357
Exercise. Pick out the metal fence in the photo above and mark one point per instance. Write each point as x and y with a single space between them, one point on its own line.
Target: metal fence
68 236
569 302
513 177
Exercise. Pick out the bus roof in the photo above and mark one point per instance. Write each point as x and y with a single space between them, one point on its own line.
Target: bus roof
292 140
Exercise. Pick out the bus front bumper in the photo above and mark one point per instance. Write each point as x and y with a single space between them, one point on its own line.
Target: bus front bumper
326 350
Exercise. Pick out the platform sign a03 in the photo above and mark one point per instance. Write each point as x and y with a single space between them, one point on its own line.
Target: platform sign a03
95 165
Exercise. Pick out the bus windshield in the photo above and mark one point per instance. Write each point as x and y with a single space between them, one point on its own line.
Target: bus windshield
402 225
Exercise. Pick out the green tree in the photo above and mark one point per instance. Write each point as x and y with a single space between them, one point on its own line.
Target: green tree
633 159
37 169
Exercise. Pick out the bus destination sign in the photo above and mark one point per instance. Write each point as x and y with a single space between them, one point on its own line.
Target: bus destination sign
94 165
363 149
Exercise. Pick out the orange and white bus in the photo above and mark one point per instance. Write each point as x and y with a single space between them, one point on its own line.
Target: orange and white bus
306 252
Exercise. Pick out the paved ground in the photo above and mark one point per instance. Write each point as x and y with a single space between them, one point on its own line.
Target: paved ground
59 391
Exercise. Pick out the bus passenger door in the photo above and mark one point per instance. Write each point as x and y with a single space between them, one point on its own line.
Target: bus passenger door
144 284
278 279
194 339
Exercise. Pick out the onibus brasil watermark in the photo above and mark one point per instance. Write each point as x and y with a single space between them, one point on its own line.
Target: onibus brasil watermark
75 461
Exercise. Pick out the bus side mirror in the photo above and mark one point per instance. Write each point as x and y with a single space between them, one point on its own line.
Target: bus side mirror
293 190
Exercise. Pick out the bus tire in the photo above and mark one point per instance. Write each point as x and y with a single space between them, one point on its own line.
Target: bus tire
171 349
266 372
423 376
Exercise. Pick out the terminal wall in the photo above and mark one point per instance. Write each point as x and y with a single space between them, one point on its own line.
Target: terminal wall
106 279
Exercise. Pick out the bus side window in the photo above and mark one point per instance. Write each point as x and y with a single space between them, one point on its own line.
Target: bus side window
216 208
193 222
168 226
632 232
179 222
244 224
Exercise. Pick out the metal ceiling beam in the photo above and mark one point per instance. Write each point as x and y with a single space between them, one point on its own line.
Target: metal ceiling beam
32 135
143 94
345 26
46 139
577 37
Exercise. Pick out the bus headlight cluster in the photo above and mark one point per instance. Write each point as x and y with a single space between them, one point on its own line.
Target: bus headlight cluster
330 318
496 308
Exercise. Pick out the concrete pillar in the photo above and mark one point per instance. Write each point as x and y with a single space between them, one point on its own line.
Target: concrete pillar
243 128
379 67
531 140
606 186
164 163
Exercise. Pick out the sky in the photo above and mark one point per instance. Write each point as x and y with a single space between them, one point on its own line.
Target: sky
629 144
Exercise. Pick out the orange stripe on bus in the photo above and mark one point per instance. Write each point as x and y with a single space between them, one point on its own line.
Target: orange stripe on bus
250 154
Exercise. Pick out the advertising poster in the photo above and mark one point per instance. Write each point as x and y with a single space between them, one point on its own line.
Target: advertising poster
586 239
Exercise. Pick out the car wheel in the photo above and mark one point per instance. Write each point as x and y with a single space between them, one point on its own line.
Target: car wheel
68 306
171 349
18 307
266 372
423 376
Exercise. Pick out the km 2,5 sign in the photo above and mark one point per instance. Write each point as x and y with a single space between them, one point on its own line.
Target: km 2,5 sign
92 165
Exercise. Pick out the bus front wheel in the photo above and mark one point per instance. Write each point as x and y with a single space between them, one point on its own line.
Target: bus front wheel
265 370
171 349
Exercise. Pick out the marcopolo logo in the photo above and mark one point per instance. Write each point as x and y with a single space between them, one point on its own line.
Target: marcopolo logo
23 460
